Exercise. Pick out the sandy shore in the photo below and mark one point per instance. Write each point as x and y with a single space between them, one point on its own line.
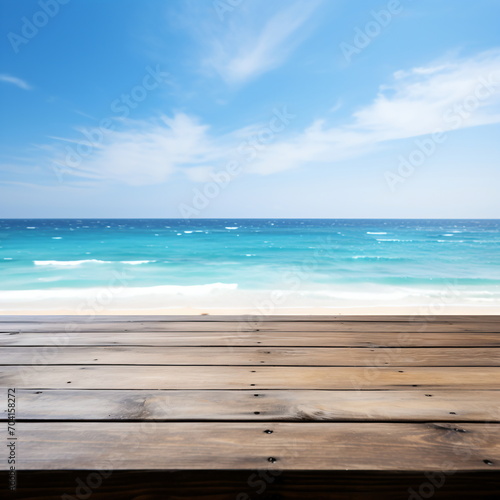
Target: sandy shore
333 311
217 299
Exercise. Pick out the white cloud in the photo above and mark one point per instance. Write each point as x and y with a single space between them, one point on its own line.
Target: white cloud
145 152
18 82
448 96
420 101
444 97
252 41
199 174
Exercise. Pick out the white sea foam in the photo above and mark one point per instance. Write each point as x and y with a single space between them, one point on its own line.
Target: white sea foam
57 237
373 232
69 263
173 291
375 257
188 232
136 262
7 258
202 298
74 263
231 227
30 227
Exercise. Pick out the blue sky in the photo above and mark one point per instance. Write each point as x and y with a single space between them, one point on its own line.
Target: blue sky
250 108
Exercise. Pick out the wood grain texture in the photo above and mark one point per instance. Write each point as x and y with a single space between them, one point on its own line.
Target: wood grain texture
268 405
254 318
293 356
244 326
256 339
312 393
292 446
246 377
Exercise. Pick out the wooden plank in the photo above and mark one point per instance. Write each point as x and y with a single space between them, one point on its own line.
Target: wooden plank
243 326
290 446
258 405
253 485
246 377
402 318
292 356
263 339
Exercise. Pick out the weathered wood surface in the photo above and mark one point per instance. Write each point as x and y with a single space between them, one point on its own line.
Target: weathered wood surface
291 446
246 377
371 393
269 339
243 326
292 356
253 318
258 405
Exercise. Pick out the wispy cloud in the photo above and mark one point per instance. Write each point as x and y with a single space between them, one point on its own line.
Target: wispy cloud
140 153
253 40
440 97
18 82
452 95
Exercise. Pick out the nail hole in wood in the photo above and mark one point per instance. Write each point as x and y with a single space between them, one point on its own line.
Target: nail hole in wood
256 412
488 462
452 413
271 459
268 431
429 395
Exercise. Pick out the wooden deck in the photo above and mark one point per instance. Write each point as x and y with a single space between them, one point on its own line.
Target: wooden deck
380 397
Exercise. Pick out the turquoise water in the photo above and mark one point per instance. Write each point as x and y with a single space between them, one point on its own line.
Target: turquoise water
251 254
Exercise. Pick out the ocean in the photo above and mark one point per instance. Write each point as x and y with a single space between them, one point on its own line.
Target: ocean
143 264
